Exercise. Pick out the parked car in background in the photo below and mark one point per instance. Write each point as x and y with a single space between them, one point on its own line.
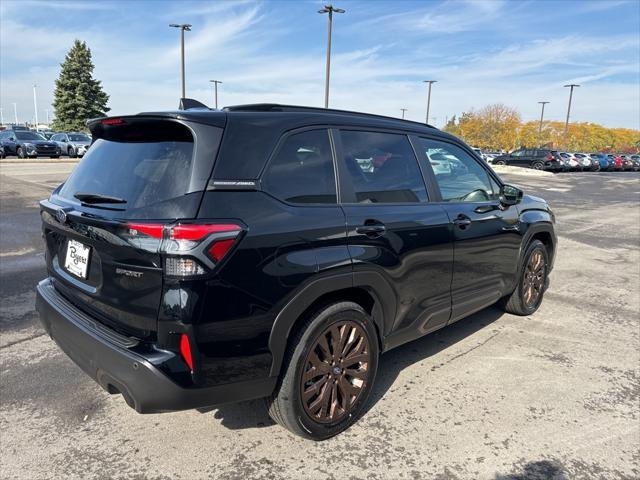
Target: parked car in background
2 154
181 278
584 160
604 161
616 162
554 162
627 163
73 144
28 144
47 134
571 163
526 157
636 162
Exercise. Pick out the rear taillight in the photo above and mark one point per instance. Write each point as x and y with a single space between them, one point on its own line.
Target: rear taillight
549 156
189 249
185 351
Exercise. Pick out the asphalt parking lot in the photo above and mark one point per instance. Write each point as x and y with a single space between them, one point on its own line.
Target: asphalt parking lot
494 396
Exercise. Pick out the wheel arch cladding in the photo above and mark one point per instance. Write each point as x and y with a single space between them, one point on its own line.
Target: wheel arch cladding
314 297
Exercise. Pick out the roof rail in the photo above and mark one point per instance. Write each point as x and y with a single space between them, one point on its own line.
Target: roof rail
275 107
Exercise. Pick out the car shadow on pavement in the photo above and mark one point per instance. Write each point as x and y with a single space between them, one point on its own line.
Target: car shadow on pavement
253 414
540 470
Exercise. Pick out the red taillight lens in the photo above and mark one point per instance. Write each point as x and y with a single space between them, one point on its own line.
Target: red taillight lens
112 121
185 350
196 232
219 249
150 229
549 156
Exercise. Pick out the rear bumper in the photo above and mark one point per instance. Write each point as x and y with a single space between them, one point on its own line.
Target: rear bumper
107 358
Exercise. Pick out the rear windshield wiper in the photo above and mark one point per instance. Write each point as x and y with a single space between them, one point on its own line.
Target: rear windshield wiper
98 198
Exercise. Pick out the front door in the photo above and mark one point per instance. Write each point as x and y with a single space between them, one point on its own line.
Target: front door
394 231
486 235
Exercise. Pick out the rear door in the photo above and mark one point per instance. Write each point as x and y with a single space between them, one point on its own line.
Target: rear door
392 228
486 236
103 227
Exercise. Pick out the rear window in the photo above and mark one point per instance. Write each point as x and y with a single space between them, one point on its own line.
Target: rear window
142 165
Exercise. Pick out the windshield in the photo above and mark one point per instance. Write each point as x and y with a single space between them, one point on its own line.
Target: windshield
79 138
28 136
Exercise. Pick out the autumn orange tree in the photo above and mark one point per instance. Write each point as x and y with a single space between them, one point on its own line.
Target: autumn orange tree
499 127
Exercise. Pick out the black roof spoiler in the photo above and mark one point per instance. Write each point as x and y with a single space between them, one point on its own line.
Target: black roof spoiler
191 104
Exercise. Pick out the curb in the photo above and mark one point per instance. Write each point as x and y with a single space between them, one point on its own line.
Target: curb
32 161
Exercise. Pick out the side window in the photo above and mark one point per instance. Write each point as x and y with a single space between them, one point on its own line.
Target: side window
459 175
382 167
55 138
302 170
517 153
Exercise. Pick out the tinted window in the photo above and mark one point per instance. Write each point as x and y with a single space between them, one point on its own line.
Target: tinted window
20 135
459 175
382 167
145 171
55 138
517 153
79 138
302 170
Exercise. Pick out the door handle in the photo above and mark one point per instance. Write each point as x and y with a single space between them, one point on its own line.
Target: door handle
462 221
372 230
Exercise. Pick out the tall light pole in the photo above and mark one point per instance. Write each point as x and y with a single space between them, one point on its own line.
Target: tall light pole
215 88
35 104
403 110
182 27
541 116
430 82
1 117
47 114
566 124
328 9
15 112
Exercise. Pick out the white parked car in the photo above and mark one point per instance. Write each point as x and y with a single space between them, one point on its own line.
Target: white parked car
72 144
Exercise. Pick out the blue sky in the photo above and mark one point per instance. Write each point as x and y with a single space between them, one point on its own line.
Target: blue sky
485 51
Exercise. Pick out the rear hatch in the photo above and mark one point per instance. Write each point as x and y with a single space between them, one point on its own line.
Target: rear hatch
99 249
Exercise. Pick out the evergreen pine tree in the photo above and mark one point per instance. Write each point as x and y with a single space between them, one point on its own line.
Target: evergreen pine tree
78 96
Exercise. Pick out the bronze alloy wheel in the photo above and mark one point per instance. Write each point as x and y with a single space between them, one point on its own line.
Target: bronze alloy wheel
534 278
336 371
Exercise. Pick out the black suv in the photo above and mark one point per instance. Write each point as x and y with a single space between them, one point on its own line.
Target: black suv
537 158
200 257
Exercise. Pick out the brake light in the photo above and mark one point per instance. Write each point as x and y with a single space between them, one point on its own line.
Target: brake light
154 230
185 351
112 121
549 156
219 249
194 231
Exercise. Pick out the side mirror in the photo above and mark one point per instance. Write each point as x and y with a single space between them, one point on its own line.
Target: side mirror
12 139
510 195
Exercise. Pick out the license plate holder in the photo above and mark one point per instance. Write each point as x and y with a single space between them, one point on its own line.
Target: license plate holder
77 258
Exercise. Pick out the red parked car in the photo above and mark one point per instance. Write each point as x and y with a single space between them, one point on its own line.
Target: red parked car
617 161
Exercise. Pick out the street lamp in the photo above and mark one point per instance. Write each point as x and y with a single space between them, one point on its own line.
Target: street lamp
430 82
566 125
403 110
35 105
541 116
182 27
328 9
215 87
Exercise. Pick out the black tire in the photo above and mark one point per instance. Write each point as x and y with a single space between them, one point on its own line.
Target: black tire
537 165
286 405
71 152
499 162
20 153
516 303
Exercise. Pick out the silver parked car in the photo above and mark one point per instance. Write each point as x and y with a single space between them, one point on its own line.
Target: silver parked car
73 144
